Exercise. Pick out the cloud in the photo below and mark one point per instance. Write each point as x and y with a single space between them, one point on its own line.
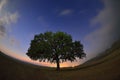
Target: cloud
2 30
9 18
6 18
2 4
109 30
65 12
2 27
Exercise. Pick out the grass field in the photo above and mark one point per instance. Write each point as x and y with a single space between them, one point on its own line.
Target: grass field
104 68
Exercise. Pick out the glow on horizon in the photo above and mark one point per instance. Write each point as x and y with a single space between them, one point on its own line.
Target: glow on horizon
27 59
17 25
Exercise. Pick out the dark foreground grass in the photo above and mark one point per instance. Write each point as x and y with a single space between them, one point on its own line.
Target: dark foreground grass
106 68
15 70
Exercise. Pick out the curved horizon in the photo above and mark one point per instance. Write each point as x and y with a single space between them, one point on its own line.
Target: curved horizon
94 23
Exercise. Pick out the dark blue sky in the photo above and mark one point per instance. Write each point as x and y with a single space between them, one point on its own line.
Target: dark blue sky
70 16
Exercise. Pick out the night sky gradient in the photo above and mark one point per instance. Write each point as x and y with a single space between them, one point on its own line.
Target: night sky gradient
94 22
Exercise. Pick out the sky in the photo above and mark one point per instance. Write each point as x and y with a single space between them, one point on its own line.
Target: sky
93 22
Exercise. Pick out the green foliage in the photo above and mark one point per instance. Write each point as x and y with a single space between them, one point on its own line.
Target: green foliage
55 48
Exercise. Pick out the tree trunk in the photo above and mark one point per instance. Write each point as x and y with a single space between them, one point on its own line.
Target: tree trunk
58 64
57 61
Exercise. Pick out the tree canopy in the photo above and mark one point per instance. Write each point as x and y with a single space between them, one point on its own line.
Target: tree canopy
55 48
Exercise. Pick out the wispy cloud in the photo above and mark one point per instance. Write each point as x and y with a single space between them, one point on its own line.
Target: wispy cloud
2 4
7 18
66 12
2 30
108 32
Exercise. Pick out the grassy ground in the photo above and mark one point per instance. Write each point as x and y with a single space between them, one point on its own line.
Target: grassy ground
106 68
15 70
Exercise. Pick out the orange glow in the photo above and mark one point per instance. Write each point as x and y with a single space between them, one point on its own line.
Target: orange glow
27 59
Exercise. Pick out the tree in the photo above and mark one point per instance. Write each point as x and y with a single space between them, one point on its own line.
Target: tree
55 48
